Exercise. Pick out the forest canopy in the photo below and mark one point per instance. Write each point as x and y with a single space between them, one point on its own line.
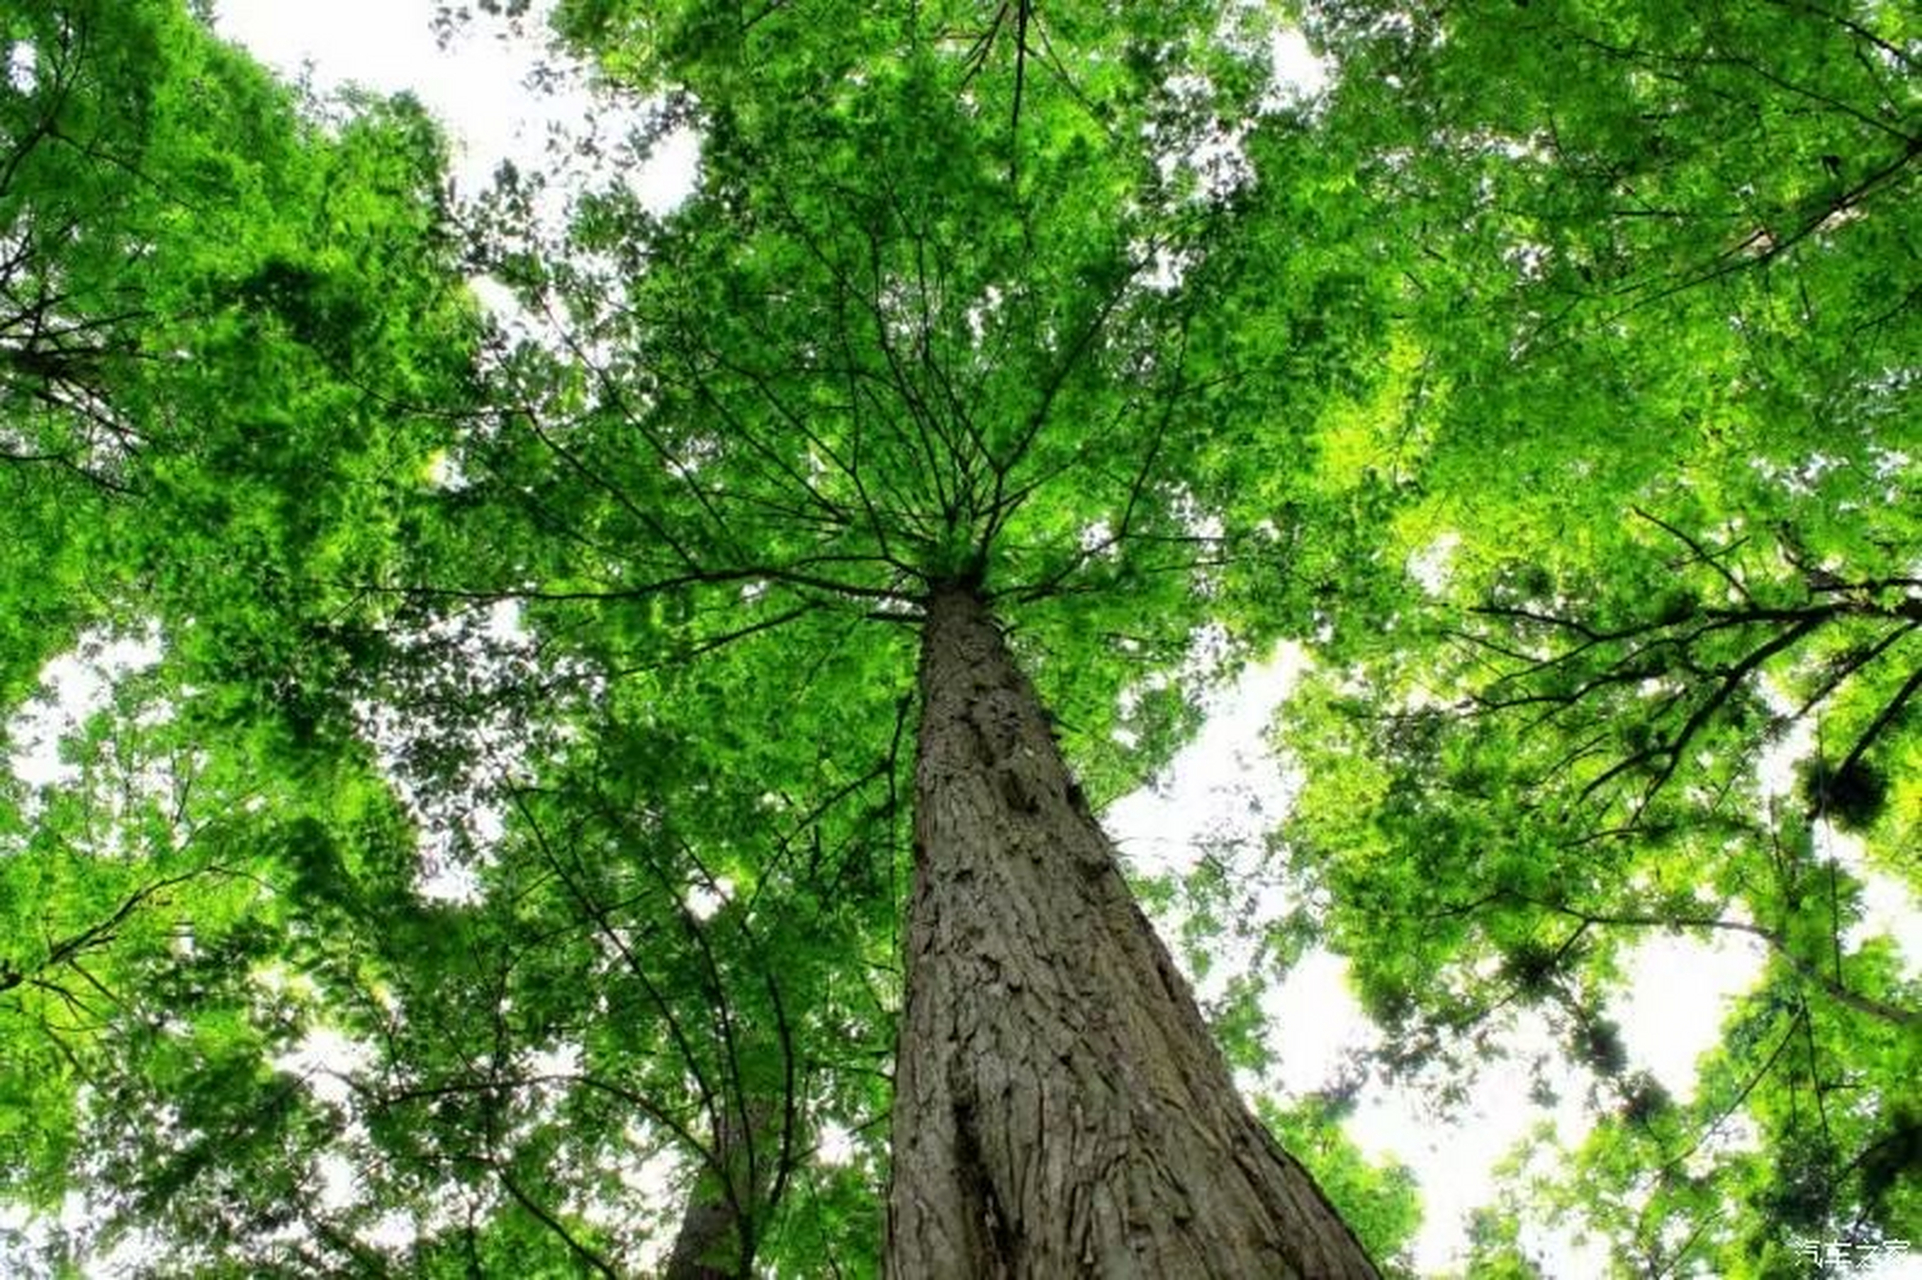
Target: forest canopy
607 780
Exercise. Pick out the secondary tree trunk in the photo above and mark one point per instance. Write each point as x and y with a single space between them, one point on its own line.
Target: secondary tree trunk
714 1241
704 1248
1060 1107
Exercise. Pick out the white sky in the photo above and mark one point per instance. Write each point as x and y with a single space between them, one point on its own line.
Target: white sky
74 687
475 87
1226 790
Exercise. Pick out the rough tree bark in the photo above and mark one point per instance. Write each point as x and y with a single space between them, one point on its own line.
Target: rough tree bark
1060 1109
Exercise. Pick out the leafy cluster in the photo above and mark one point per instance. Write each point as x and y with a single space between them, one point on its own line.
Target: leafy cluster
1655 664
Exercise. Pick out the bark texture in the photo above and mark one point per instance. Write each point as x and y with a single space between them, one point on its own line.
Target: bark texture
1061 1109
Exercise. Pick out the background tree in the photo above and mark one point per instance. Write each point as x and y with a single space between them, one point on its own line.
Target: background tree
204 420
1666 271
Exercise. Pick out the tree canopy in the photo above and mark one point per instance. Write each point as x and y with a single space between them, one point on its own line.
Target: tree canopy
1661 675
495 854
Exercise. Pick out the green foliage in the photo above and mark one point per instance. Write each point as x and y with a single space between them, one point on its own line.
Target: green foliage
1659 467
210 425
1379 1201
530 724
1750 1162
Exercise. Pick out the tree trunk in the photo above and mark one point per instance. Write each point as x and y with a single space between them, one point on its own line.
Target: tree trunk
704 1247
1060 1107
714 1243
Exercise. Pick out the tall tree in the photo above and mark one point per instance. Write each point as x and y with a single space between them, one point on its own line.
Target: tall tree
934 344
838 389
